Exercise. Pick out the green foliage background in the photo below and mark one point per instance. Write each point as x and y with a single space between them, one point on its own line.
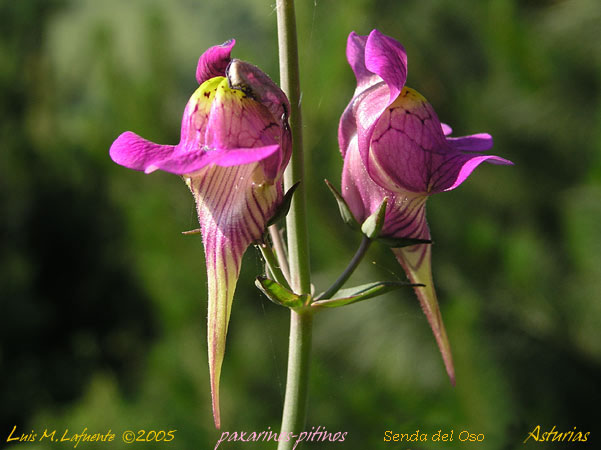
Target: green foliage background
103 300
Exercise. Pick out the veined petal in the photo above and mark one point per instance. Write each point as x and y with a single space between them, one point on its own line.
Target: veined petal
134 152
225 127
233 207
409 149
407 143
416 260
237 120
256 84
214 61
405 213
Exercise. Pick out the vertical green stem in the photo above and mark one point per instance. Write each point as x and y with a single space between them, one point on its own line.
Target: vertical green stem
296 221
299 350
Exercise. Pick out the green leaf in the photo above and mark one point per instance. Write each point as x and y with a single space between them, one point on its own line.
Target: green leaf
402 242
373 224
359 293
279 295
284 207
345 212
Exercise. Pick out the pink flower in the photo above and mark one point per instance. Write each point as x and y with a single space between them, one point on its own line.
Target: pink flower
235 144
394 146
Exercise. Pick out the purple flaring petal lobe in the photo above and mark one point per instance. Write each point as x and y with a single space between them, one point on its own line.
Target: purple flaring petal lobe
385 57
355 55
416 261
380 66
232 210
214 61
455 171
190 162
473 143
134 152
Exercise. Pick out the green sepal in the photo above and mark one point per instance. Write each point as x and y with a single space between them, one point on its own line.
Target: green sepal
279 295
284 207
402 242
373 224
345 211
359 293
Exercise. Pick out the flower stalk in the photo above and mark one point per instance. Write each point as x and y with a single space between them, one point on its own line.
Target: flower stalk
273 264
301 322
344 276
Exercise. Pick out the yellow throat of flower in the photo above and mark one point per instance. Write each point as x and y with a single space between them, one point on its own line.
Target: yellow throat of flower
217 87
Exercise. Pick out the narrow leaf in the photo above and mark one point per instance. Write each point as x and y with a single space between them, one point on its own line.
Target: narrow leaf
359 293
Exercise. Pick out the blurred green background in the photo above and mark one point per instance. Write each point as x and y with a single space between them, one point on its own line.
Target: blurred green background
103 311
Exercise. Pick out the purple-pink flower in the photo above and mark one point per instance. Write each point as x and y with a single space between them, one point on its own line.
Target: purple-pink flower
394 146
235 144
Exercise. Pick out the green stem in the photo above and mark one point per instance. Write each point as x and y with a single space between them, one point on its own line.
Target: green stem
301 322
296 220
272 263
344 276
280 250
297 379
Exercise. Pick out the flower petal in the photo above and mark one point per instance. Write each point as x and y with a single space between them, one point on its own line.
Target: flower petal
472 143
214 61
190 162
409 151
454 171
406 144
134 152
232 210
380 66
416 261
225 126
387 58
405 213
355 55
